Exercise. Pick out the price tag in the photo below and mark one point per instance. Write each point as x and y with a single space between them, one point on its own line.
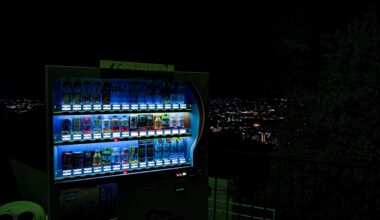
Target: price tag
142 164
66 137
134 134
134 107
125 134
87 107
77 107
87 136
97 107
116 107
106 107
116 134
106 168
106 135
66 173
77 137
116 167
97 169
97 136
87 170
77 171
66 107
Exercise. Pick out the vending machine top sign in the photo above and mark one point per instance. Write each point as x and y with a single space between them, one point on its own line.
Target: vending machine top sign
121 119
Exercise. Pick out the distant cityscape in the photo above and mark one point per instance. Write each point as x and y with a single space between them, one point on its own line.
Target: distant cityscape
251 120
13 107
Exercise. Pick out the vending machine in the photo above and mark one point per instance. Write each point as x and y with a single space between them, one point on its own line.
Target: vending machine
126 141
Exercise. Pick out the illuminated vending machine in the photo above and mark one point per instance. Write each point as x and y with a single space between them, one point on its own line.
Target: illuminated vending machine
126 142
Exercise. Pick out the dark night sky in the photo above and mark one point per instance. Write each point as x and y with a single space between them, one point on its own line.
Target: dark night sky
235 42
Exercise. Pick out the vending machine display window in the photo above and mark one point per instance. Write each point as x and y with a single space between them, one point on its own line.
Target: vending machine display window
108 127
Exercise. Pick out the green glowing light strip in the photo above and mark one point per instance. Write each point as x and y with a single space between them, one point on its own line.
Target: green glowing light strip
123 65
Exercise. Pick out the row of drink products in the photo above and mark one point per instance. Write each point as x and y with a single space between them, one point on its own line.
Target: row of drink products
123 123
77 91
146 150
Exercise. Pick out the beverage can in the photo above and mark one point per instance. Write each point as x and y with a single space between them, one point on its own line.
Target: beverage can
181 147
115 156
142 92
77 92
87 158
149 92
173 120
97 124
125 156
106 156
77 125
86 125
174 93
133 154
77 160
149 121
86 92
181 122
106 93
181 93
133 123
173 149
106 125
186 122
165 121
166 149
96 92
115 92
150 149
66 88
166 92
66 126
123 98
158 149
115 125
142 150
97 159
157 93
124 123
133 92
142 122
157 122
67 160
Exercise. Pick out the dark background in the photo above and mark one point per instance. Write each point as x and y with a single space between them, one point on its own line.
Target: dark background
253 51
238 42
